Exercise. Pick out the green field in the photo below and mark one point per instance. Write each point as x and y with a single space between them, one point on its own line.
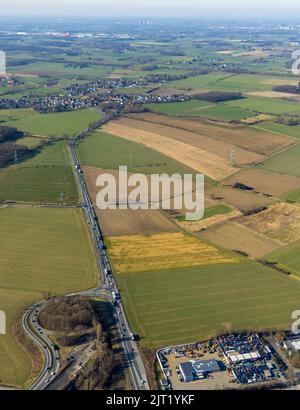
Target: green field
293 196
179 108
266 105
15 114
216 210
57 124
42 252
290 131
42 178
34 92
225 82
194 108
176 287
287 162
188 305
220 209
106 151
288 258
62 70
206 81
224 113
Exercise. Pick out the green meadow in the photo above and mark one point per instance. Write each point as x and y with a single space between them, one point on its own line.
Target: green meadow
56 124
293 196
179 108
62 70
41 179
194 108
225 82
15 114
266 105
286 162
288 258
290 131
42 251
224 113
187 305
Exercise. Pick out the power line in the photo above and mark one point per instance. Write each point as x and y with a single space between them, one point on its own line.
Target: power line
232 156
16 158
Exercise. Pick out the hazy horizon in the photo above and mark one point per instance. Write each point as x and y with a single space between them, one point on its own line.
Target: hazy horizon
154 8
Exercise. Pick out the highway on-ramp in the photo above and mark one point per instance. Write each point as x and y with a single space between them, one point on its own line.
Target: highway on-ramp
34 331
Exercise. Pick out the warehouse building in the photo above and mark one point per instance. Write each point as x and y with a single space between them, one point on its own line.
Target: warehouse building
292 346
198 369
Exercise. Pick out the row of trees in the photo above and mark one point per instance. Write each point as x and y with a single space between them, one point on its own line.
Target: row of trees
9 149
9 134
287 120
218 96
287 88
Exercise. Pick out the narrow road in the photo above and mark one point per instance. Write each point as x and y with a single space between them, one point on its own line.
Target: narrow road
106 288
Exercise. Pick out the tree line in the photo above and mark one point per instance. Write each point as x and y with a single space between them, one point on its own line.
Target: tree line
218 96
10 150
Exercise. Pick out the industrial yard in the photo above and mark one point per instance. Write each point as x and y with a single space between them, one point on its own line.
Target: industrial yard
235 361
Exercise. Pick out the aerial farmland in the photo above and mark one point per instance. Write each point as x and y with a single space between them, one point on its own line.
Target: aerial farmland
75 105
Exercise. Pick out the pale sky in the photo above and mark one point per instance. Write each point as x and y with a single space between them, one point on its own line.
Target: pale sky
117 8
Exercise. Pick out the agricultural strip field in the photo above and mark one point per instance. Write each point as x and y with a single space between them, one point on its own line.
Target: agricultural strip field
186 305
46 178
293 196
216 210
288 258
60 70
222 112
257 118
281 222
266 105
179 108
200 141
115 222
140 253
248 138
290 131
193 108
201 160
125 221
287 162
265 182
276 94
57 124
42 251
106 151
226 82
206 223
236 237
238 199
